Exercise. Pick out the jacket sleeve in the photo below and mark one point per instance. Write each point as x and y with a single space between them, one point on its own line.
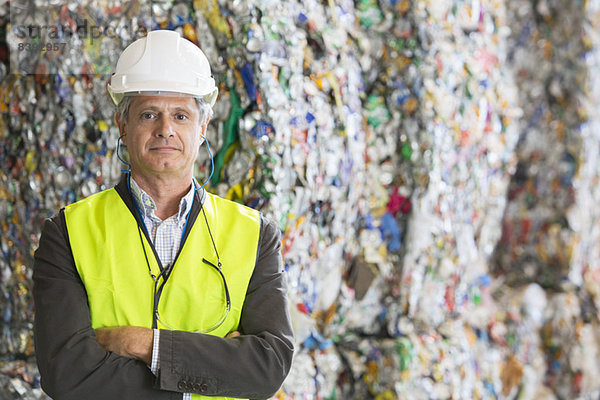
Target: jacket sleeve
252 365
72 365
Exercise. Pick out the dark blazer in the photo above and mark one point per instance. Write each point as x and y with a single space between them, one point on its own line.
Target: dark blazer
73 366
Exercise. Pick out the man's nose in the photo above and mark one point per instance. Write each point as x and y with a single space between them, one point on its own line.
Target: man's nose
165 127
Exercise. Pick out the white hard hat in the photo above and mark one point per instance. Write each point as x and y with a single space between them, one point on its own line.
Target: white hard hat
163 61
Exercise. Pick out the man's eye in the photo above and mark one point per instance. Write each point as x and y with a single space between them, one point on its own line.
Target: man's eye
181 117
147 115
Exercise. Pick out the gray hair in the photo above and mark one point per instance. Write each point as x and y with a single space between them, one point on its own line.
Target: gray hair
122 109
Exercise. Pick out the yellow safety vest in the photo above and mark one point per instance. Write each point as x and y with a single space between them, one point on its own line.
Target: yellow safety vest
108 254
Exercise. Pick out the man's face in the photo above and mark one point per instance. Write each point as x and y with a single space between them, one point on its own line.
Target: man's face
162 135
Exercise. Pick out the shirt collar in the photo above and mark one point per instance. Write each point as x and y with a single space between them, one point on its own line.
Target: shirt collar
147 206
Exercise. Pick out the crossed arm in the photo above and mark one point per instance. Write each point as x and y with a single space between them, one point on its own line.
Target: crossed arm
132 341
75 361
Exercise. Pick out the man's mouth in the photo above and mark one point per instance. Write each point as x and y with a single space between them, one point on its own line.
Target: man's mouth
164 148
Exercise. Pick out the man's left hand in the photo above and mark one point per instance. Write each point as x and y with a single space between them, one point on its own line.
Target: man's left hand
127 341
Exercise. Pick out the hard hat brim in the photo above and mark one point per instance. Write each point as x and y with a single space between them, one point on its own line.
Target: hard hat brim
167 89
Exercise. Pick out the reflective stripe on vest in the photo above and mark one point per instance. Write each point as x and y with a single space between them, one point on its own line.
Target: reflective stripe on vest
108 254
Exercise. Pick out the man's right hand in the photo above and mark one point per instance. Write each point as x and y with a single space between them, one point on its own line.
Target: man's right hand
127 341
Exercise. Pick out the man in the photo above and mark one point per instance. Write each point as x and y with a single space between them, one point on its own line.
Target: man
157 289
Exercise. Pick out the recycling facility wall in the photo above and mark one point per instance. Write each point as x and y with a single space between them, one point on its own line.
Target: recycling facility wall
433 166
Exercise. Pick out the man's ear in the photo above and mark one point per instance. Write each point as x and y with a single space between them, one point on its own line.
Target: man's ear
204 126
120 124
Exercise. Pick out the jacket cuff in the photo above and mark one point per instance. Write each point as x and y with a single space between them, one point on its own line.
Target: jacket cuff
173 375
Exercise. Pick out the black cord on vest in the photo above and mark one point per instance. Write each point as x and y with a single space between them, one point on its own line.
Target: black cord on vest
157 290
211 236
146 255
